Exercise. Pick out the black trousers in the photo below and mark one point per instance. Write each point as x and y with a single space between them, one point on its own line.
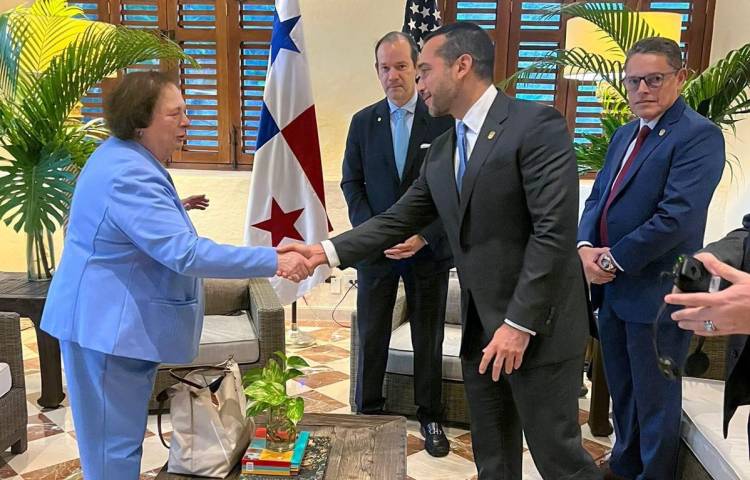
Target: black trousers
541 401
425 303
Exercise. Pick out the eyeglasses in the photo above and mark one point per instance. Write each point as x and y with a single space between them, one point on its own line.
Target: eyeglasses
653 80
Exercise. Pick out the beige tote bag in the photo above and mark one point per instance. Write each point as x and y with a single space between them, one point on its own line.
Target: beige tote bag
210 432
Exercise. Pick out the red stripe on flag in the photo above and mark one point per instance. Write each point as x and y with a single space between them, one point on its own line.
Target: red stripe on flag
302 136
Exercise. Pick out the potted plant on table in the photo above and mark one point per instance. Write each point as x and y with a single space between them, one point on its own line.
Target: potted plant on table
266 389
50 57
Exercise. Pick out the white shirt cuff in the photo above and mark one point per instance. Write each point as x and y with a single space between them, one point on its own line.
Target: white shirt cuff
584 244
330 250
519 327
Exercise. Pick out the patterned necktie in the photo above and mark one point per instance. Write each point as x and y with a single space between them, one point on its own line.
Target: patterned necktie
462 160
603 233
400 141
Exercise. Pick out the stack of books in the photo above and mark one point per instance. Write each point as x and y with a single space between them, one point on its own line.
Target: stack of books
260 461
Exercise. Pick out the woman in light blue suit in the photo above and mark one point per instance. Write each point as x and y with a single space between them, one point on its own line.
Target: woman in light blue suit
128 293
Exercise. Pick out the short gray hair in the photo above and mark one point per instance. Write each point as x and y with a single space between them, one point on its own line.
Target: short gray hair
660 46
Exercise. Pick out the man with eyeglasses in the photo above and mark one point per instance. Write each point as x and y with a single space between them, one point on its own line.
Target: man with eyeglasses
648 205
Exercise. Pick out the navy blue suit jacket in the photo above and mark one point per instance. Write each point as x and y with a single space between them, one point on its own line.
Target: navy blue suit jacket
370 180
660 209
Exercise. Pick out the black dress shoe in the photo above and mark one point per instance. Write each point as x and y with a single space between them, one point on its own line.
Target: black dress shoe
435 441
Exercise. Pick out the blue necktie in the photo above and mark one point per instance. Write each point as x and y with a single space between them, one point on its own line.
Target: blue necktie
400 141
462 160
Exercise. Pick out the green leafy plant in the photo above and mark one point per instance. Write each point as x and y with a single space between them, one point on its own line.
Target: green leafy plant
266 387
50 57
720 93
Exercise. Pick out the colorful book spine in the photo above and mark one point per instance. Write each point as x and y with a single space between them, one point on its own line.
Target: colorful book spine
260 461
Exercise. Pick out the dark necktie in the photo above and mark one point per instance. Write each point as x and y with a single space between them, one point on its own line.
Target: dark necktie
603 234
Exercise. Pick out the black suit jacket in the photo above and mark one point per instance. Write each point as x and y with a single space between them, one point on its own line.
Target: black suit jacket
512 232
370 181
734 249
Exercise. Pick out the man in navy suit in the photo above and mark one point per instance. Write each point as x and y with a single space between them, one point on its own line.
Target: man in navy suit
648 205
385 148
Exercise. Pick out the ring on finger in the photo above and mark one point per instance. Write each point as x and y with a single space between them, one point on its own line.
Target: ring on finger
709 326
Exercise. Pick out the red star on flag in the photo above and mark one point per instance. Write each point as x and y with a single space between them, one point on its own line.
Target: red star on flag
281 224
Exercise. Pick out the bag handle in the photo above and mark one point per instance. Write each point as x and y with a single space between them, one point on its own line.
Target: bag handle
222 368
163 396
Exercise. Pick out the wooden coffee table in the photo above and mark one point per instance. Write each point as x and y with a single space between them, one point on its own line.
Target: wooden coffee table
362 446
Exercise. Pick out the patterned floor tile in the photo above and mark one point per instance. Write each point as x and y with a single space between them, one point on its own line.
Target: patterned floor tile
414 444
31 365
61 471
5 470
324 353
337 391
316 402
40 426
461 446
595 449
422 466
322 379
45 452
583 417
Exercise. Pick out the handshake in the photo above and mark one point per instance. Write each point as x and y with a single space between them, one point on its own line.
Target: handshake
297 262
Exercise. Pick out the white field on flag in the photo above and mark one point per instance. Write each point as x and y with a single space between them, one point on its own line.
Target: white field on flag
284 204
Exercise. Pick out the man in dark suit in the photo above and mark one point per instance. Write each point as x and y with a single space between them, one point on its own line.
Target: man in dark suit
725 313
504 184
647 206
385 148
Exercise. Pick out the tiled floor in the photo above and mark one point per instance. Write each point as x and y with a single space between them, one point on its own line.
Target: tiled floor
52 452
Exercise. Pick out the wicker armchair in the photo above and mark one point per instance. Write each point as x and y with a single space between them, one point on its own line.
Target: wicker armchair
225 297
13 415
399 388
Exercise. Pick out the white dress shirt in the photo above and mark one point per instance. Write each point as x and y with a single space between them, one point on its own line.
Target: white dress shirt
643 123
474 119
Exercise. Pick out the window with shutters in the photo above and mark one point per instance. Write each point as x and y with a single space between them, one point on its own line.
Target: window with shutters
524 31
230 41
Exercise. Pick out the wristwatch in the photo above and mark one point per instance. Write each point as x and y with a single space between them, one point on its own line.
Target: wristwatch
606 263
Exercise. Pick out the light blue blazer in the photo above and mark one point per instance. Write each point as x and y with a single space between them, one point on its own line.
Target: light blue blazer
129 281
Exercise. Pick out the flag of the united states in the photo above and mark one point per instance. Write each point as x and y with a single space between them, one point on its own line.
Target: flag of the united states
420 18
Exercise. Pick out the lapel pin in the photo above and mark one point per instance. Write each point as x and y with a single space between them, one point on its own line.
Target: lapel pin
379 119
491 135
662 132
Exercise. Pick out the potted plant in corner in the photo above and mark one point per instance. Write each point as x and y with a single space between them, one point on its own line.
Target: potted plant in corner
50 57
266 389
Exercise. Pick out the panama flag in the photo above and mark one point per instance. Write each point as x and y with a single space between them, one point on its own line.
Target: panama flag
287 202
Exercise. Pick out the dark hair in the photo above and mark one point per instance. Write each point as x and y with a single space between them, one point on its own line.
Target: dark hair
659 46
467 38
392 37
130 106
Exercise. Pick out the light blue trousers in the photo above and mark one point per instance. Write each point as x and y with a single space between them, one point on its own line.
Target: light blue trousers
109 398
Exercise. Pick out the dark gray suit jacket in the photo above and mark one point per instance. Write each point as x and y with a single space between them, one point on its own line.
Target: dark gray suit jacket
734 249
512 232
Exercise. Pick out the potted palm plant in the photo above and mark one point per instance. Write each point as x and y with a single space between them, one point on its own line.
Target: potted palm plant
720 92
50 56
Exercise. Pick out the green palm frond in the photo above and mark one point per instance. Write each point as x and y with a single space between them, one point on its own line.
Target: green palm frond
10 51
622 25
579 61
49 59
720 92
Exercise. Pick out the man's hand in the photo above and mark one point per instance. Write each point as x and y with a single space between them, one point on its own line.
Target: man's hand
314 254
195 202
506 347
728 309
293 266
407 249
594 273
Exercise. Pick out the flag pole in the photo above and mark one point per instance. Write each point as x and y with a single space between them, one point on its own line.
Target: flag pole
296 337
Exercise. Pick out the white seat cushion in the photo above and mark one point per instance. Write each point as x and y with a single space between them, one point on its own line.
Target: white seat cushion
702 405
5 380
225 335
401 352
